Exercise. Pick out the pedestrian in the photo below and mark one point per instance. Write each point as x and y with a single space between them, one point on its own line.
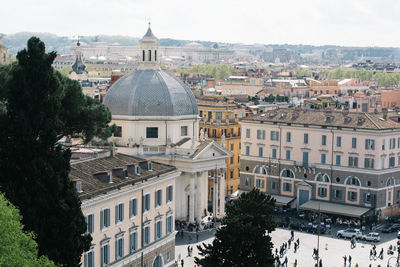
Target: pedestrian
350 260
191 250
286 261
295 263
176 264
356 265
289 242
320 262
276 251
182 262
374 254
298 242
197 237
188 249
371 254
381 254
179 256
292 235
345 259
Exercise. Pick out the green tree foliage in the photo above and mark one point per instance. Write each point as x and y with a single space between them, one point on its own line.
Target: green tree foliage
17 248
41 106
382 78
302 72
219 72
243 239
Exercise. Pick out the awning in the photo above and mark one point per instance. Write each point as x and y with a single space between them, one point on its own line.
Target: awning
334 208
282 200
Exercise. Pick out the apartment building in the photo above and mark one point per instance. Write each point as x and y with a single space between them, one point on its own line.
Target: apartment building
343 163
128 203
220 121
241 85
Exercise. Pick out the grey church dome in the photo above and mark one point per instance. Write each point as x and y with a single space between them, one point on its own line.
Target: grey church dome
150 92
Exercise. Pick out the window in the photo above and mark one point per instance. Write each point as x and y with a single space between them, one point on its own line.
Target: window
323 178
368 163
353 181
382 162
169 224
392 162
323 141
151 132
89 259
354 142
247 133
105 255
322 192
305 158
398 142
392 143
274 136
137 170
351 196
146 202
150 166
143 55
261 134
232 147
338 141
323 158
155 55
132 208
274 153
133 239
287 173
126 173
287 154
90 223
288 137
149 55
158 198
184 130
260 151
369 144
231 160
247 150
337 194
338 160
146 235
104 218
118 132
367 197
218 115
259 183
353 162
272 185
170 192
306 138
120 248
287 187
119 213
158 229
109 178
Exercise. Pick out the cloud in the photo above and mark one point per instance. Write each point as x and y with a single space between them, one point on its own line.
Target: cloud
318 22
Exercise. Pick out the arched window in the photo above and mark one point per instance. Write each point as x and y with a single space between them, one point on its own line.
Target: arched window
287 173
264 169
322 177
158 262
353 181
144 56
390 182
155 55
257 169
150 55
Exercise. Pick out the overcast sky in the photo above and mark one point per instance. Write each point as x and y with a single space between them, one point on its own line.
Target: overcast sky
316 22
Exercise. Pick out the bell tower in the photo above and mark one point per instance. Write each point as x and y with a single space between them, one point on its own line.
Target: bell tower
149 56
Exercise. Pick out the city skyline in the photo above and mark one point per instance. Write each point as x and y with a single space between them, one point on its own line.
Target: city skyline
310 22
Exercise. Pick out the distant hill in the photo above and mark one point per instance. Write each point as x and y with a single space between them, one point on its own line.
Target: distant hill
17 41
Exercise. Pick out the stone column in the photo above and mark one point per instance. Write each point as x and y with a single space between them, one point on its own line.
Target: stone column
191 204
222 194
215 197
199 196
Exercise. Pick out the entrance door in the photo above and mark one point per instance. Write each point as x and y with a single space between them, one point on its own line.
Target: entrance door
305 159
304 196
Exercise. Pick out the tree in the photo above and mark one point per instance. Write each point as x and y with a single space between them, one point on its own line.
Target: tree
17 248
243 239
40 107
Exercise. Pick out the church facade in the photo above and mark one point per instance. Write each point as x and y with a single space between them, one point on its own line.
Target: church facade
157 118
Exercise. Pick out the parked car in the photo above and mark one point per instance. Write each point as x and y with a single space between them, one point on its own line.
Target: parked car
372 236
391 228
349 233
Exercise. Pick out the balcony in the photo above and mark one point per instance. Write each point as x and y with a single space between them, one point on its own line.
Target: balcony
304 164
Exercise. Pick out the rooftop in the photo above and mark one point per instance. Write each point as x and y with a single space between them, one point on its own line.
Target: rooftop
328 118
93 173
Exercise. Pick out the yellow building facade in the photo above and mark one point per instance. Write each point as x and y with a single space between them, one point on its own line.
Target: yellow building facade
220 122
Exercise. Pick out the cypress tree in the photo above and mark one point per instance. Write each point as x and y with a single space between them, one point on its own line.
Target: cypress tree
39 106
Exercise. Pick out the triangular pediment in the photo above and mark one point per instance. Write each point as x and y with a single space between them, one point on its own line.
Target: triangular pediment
303 183
210 150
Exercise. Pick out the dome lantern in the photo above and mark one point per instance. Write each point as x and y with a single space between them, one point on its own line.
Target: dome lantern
149 58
